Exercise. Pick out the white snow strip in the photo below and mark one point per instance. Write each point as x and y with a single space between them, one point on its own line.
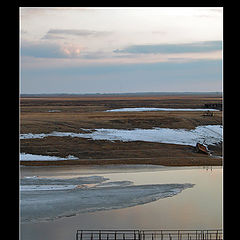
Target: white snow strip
54 111
31 177
33 157
210 135
143 109
33 135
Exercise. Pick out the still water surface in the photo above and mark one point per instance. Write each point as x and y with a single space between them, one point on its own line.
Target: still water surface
199 207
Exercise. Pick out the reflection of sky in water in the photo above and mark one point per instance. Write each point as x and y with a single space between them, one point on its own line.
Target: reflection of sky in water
199 207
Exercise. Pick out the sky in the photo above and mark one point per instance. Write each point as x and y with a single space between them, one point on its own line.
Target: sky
117 50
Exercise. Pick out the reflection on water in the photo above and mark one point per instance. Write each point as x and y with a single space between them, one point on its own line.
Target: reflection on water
199 207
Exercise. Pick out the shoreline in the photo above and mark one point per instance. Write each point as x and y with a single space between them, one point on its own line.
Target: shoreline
166 161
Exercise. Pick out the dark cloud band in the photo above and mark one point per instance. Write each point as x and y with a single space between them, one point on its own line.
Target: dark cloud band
61 33
173 48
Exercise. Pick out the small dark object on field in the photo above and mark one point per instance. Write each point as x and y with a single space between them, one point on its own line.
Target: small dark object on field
201 148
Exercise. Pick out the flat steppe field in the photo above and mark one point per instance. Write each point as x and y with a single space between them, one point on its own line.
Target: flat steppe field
70 114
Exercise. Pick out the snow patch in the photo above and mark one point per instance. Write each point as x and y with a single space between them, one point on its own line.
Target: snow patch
209 134
54 111
144 109
33 157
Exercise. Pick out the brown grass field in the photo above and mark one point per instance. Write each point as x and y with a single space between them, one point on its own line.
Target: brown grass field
73 113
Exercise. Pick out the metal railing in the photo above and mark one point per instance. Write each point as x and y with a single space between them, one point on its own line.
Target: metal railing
181 234
108 235
149 234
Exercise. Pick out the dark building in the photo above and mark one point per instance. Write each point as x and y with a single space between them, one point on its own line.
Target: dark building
214 106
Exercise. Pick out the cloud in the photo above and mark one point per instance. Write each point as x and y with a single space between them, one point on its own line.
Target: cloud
195 47
62 33
49 50
132 54
52 36
41 50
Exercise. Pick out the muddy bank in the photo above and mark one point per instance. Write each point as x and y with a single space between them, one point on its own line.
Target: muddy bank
200 161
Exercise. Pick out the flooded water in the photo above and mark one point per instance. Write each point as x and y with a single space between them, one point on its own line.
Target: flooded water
197 207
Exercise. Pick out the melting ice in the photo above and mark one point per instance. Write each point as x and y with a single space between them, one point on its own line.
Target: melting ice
47 199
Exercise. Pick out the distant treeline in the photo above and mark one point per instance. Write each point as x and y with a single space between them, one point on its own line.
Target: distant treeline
219 94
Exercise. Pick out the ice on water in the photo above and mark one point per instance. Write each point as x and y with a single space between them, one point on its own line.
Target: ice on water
47 199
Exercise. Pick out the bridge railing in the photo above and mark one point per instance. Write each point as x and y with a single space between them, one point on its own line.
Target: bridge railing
181 235
108 235
149 234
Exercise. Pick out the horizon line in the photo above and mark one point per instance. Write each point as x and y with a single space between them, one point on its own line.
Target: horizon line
127 93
